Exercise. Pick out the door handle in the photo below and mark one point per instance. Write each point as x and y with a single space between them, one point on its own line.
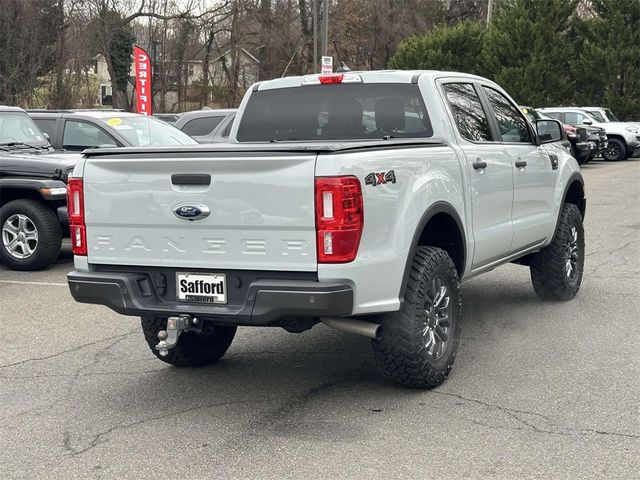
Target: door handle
479 165
191 179
521 164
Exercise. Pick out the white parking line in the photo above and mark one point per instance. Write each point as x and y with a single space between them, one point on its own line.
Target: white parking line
52 284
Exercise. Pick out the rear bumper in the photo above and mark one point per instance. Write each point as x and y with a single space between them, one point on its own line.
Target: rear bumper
266 302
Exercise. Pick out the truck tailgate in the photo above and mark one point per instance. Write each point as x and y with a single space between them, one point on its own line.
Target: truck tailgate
261 210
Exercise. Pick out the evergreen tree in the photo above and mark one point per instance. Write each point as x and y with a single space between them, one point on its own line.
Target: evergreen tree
121 51
607 69
454 48
528 50
114 39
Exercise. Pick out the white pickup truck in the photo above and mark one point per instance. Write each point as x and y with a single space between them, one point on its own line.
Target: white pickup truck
623 138
359 200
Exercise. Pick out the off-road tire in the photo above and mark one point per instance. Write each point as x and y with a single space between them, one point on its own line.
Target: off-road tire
49 234
621 151
401 353
549 274
192 349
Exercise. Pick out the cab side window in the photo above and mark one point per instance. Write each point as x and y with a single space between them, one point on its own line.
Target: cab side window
575 118
557 116
201 126
81 135
46 125
468 113
512 125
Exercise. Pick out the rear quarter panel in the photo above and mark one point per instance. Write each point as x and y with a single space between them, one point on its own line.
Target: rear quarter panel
392 212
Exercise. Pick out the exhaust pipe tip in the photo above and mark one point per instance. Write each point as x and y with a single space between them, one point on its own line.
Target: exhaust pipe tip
356 327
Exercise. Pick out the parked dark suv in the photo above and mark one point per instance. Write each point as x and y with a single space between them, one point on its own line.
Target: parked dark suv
33 193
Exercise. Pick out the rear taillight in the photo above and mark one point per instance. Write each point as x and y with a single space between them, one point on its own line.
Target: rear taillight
75 209
339 218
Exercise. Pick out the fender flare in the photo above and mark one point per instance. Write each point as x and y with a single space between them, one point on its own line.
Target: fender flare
432 211
576 176
34 185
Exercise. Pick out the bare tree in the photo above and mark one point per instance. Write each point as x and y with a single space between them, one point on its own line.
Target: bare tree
27 51
114 18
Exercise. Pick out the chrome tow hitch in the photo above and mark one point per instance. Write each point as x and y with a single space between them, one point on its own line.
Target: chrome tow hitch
175 326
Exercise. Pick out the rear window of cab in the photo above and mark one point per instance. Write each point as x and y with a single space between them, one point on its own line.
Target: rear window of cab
354 111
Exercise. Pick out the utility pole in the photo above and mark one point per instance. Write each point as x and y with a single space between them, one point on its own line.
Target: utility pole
489 12
315 35
325 26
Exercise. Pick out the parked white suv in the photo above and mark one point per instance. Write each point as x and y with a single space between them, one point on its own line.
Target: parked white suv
623 138
359 200
605 115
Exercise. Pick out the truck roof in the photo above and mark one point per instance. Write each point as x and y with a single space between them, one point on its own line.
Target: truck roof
376 76
6 108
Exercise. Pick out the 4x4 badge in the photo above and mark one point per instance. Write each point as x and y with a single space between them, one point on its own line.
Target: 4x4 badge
381 178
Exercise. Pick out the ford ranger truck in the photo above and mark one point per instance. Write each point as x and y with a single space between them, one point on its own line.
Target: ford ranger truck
358 200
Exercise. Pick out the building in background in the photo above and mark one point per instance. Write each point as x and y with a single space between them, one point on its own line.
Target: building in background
182 85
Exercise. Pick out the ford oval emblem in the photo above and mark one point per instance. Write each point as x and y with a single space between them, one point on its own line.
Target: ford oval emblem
191 211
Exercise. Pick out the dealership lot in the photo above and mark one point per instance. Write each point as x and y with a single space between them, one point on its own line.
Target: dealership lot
538 389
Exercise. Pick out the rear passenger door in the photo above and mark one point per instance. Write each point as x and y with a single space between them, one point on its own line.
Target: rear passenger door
534 176
489 171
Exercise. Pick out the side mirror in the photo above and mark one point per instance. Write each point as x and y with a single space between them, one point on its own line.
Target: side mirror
586 121
549 131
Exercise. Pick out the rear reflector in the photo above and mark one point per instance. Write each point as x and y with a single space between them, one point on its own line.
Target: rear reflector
339 218
78 240
75 209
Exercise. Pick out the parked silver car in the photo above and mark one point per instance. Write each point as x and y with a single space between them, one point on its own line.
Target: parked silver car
207 126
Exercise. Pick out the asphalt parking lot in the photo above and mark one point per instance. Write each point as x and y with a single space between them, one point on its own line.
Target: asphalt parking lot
539 390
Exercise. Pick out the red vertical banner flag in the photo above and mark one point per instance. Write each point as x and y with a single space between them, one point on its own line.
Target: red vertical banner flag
143 80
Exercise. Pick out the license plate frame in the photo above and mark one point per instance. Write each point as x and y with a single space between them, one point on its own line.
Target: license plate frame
199 296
